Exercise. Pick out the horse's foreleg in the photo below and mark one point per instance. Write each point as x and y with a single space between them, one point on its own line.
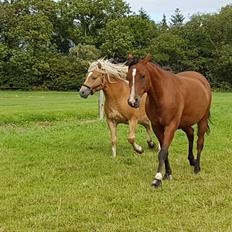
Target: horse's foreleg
202 128
150 142
131 136
112 127
190 135
165 137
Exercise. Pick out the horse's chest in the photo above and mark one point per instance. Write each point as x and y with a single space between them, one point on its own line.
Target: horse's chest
156 115
116 115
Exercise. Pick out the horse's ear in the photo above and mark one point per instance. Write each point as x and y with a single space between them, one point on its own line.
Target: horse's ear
99 65
147 59
130 56
130 59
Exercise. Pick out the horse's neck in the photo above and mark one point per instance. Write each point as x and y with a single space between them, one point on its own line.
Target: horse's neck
114 89
160 80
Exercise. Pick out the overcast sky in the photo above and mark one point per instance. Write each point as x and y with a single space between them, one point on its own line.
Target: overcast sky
156 8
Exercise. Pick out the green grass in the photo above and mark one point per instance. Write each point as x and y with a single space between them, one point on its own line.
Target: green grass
57 173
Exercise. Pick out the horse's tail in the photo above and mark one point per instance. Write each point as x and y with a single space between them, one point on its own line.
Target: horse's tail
209 122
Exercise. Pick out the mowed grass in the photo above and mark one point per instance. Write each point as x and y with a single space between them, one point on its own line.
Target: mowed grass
57 173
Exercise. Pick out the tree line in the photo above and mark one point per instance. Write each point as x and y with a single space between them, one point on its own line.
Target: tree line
49 44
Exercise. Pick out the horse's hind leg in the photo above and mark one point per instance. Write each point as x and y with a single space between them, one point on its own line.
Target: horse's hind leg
131 137
112 127
190 135
202 129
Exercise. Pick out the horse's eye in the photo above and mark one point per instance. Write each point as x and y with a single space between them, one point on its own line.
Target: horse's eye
94 78
143 76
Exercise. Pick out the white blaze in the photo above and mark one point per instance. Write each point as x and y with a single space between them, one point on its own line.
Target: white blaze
132 93
90 73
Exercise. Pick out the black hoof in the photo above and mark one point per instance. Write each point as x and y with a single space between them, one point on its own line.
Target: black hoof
167 176
156 183
151 144
197 169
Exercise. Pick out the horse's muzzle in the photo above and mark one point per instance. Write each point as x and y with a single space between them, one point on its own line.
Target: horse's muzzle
84 91
134 102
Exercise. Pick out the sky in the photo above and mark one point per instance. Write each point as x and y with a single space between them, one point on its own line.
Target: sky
156 8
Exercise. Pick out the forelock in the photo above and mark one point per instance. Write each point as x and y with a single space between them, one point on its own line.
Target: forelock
132 61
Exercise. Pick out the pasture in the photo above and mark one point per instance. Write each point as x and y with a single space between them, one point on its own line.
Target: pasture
57 173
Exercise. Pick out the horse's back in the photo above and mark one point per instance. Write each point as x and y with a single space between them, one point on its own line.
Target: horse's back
193 76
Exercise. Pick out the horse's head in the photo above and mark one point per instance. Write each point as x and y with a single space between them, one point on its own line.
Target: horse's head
139 79
95 81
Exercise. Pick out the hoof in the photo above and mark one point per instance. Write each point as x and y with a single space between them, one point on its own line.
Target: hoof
156 183
197 169
151 144
167 176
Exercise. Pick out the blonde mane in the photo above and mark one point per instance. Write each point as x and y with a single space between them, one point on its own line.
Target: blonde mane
116 70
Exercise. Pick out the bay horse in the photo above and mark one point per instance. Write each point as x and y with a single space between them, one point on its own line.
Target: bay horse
111 78
174 101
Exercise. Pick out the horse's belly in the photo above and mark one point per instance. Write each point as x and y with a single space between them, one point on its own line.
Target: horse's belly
193 115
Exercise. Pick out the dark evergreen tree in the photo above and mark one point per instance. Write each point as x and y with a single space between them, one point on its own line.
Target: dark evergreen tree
143 14
177 19
163 24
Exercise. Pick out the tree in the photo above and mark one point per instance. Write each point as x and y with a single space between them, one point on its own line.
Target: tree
169 50
83 20
117 39
129 34
163 26
143 14
177 19
85 52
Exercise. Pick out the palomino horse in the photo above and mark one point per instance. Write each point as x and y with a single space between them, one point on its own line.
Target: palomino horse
103 75
174 101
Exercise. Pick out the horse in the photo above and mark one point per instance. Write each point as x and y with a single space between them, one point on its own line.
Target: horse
111 78
174 101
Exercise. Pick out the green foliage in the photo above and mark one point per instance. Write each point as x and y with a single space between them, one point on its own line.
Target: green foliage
65 73
222 68
48 44
129 34
83 20
118 39
169 50
85 52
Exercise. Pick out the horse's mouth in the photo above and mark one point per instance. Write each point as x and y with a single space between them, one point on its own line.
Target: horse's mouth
84 92
134 104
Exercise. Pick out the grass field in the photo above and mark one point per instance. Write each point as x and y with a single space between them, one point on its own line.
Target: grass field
57 173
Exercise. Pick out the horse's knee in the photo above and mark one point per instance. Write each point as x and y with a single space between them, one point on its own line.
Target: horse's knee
162 155
131 140
113 141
